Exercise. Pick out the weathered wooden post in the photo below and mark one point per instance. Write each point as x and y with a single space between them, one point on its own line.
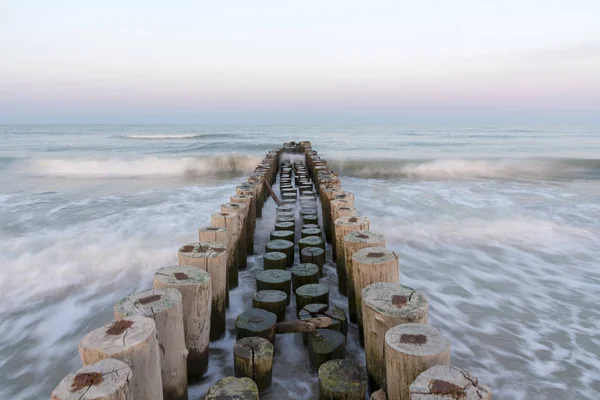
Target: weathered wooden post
446 382
326 197
274 301
274 279
283 235
339 321
108 379
378 395
311 241
304 274
133 341
409 350
233 388
253 358
353 242
165 307
282 246
309 294
343 226
285 226
310 232
325 345
196 290
371 265
385 305
250 219
242 244
275 260
342 380
313 255
212 258
231 221
255 322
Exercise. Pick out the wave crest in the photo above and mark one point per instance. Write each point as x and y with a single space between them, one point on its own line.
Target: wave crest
165 137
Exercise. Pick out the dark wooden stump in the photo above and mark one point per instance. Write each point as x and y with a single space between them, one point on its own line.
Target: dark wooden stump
339 321
310 219
310 226
311 241
253 358
304 274
325 345
283 246
311 232
233 388
342 380
255 322
285 226
271 300
313 255
309 294
275 260
283 235
275 279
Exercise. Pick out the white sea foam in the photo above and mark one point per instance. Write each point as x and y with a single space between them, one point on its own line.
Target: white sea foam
163 137
142 167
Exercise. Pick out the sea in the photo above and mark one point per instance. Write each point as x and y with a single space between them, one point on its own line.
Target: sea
499 226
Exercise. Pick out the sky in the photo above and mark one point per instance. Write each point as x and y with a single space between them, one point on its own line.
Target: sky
261 61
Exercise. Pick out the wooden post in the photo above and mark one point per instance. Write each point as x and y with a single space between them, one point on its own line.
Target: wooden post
250 219
304 274
311 232
255 322
229 220
325 345
378 395
310 219
342 380
233 388
311 241
283 235
242 210
343 226
371 265
335 313
275 260
253 358
313 255
285 226
353 242
196 290
212 258
446 382
165 307
271 300
409 350
274 279
283 246
108 379
309 294
133 341
325 199
385 305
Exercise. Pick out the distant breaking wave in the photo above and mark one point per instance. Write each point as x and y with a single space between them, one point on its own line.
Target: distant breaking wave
460 169
147 167
164 137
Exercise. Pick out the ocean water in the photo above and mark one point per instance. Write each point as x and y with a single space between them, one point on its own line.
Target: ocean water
499 226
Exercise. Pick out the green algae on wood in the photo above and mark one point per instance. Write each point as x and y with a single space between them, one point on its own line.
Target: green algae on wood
342 380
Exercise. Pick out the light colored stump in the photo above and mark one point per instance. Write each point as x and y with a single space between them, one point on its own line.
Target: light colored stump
282 246
253 358
326 196
255 322
313 255
275 260
196 290
339 208
242 244
353 242
385 305
343 226
446 382
325 345
309 294
219 235
231 388
378 395
133 341
274 301
212 258
304 274
165 306
250 219
371 265
342 380
274 279
108 379
231 221
409 350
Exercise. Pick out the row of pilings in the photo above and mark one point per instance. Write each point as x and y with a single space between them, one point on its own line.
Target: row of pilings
160 338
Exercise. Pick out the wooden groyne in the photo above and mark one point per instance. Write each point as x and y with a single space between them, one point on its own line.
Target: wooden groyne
160 338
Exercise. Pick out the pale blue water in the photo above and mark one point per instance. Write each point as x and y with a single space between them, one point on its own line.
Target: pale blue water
498 226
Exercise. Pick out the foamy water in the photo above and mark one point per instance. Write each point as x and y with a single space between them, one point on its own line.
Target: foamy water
498 227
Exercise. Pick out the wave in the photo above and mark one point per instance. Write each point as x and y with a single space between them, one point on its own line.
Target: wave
147 167
166 137
459 169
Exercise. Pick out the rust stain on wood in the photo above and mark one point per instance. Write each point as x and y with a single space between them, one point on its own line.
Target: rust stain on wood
399 301
119 327
86 379
362 236
149 299
413 339
353 219
187 248
375 255
180 276
440 387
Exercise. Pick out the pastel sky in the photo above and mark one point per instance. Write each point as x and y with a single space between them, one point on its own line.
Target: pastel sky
134 61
